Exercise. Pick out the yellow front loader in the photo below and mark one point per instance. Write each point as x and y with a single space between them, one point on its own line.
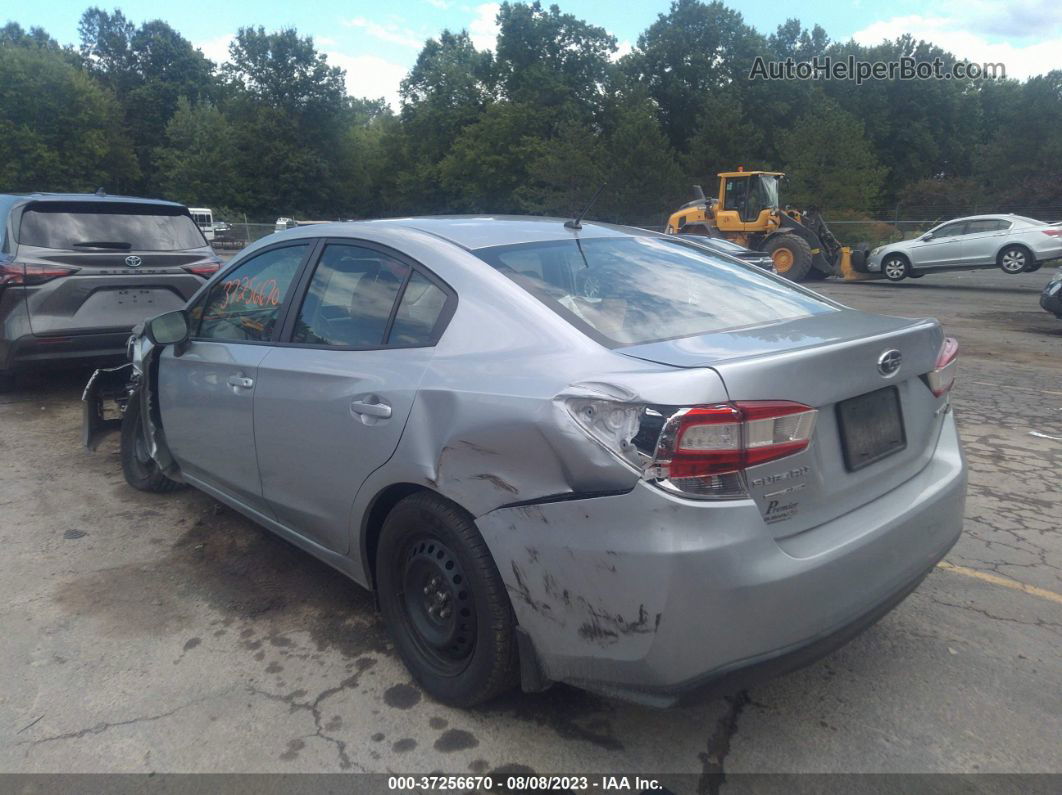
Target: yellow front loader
747 212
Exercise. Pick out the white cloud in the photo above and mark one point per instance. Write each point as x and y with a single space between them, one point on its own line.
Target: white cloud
370 76
217 49
623 48
484 28
389 32
957 34
442 4
324 41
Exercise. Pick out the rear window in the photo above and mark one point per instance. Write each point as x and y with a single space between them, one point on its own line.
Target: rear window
95 227
633 290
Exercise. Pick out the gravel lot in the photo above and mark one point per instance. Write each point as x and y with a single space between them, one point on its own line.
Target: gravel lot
167 633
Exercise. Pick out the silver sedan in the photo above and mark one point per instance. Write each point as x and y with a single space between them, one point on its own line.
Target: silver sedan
1013 243
558 453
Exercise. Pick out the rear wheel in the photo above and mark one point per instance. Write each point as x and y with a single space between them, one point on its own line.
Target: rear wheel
445 603
1034 267
791 256
895 268
1015 259
140 470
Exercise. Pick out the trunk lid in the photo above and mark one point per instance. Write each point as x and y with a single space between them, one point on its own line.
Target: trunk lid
822 361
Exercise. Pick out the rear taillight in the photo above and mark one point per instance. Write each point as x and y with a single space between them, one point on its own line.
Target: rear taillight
942 377
704 451
206 268
14 272
700 451
1052 232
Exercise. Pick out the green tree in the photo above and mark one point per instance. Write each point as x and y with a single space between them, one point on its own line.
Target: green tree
549 59
197 164
149 69
830 163
59 130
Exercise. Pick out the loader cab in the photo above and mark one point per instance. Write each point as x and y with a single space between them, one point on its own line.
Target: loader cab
748 200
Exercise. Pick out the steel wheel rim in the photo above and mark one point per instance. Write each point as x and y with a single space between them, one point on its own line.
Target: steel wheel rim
437 606
783 259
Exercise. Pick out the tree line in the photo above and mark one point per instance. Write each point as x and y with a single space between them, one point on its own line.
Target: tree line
534 126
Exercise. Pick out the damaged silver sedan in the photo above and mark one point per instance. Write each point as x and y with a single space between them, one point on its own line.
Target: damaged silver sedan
558 453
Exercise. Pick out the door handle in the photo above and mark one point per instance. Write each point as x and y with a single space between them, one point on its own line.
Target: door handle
381 410
241 381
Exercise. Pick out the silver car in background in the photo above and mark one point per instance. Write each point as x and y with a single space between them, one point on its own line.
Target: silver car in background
558 453
1013 243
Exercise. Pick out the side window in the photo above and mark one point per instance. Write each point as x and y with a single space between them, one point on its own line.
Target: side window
350 298
986 225
951 230
245 305
418 313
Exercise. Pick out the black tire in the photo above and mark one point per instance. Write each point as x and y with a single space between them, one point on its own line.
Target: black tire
444 602
141 472
915 275
815 275
7 382
791 255
1014 259
895 267
1034 267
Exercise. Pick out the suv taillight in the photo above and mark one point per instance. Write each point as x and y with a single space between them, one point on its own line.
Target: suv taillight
14 272
206 268
942 377
704 451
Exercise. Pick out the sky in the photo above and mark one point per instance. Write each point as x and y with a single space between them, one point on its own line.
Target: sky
376 43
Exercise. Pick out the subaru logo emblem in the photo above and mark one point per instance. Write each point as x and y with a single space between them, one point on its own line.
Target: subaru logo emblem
889 362
133 261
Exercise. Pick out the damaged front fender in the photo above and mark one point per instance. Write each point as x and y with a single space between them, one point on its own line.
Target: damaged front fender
109 391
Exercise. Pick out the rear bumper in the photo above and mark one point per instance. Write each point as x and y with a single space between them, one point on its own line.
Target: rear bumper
652 598
31 352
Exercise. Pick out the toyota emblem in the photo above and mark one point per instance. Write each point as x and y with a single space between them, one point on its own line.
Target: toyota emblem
889 362
133 261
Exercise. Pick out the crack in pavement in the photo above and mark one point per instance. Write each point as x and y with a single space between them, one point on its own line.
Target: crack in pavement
713 775
314 708
103 726
1051 626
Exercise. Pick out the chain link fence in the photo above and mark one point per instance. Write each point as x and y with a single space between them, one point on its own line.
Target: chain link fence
239 235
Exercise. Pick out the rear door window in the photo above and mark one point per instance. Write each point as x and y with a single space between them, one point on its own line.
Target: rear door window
104 226
350 298
245 305
418 315
633 290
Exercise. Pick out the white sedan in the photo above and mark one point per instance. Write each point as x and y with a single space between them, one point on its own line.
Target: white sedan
1011 242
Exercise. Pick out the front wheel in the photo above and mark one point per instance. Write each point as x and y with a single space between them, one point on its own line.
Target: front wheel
444 602
140 470
895 268
791 256
1014 259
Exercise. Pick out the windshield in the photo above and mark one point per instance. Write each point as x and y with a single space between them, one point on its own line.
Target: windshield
633 290
111 226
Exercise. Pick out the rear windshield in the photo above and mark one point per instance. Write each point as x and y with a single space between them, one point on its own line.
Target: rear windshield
633 290
119 227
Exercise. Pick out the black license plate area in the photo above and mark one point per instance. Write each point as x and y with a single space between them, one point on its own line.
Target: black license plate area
871 427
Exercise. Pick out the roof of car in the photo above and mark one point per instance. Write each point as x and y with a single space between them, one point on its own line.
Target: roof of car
482 231
995 217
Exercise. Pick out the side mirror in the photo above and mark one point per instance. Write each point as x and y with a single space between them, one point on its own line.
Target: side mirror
927 236
168 329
